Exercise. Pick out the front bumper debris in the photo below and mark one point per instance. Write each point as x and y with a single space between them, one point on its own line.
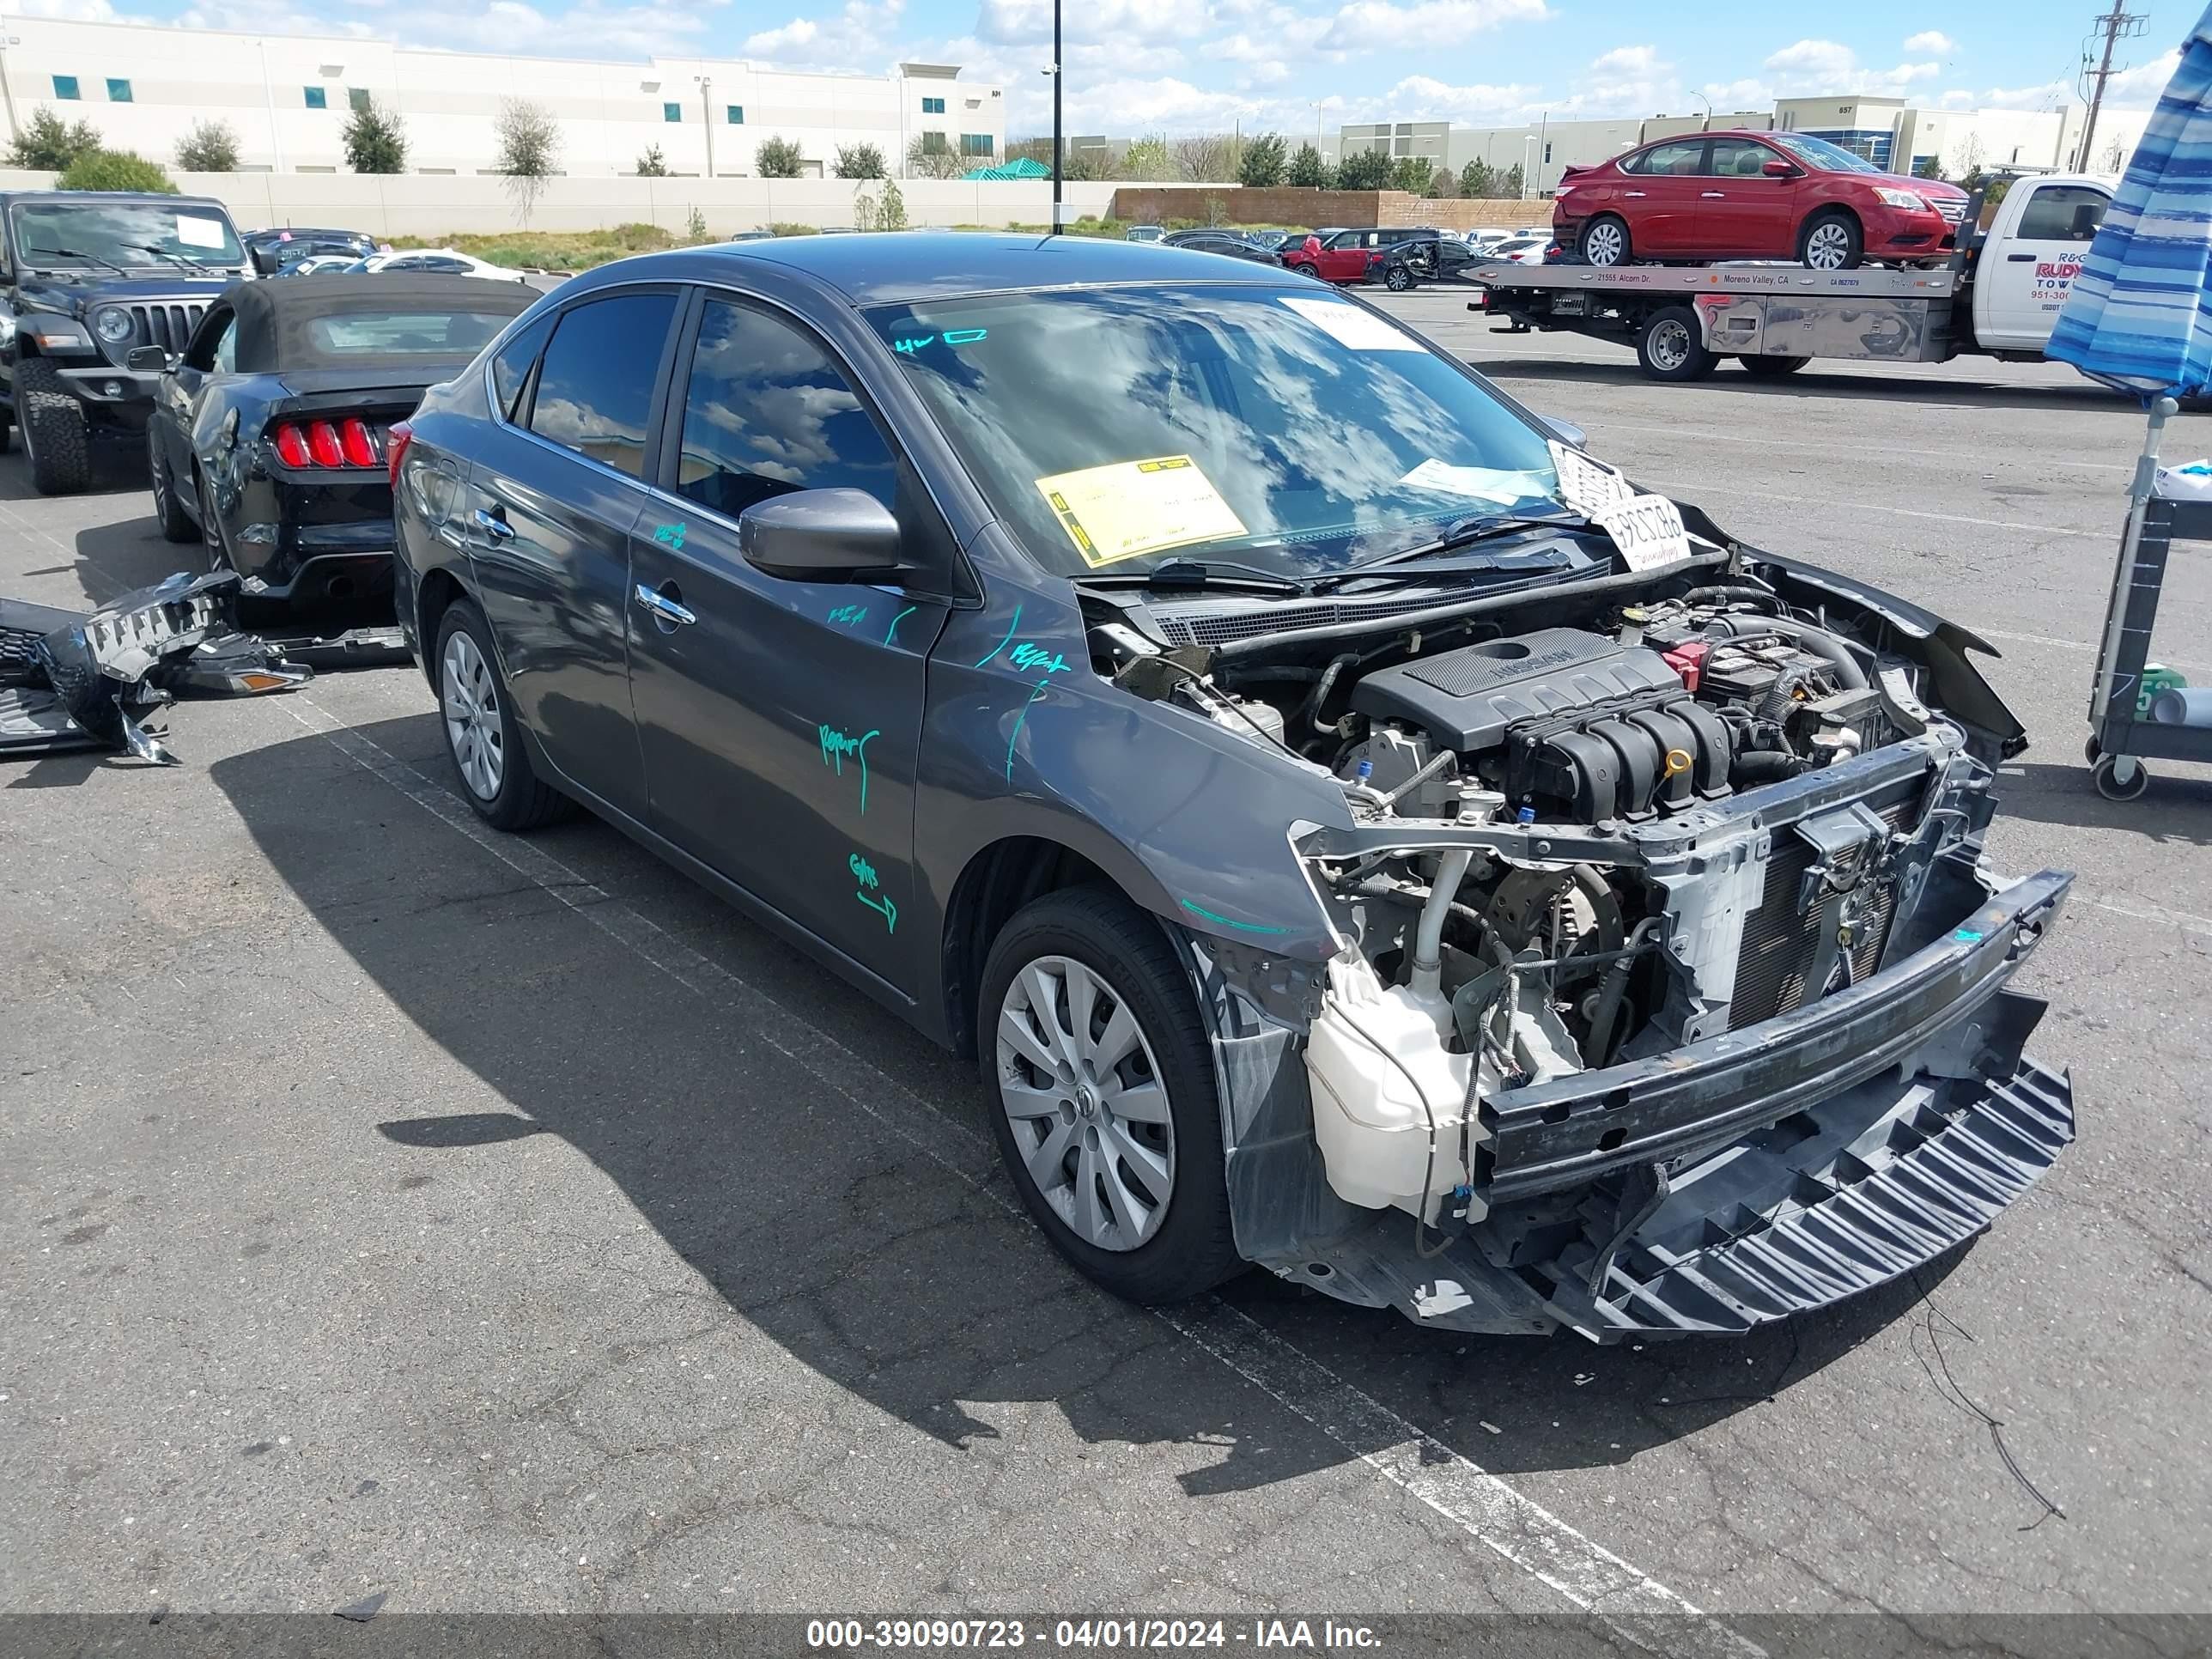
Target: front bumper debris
72 679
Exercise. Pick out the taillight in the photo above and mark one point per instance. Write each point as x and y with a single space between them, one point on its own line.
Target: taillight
346 441
323 443
397 440
292 447
354 441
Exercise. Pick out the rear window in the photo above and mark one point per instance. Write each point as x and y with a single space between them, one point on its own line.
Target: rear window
370 333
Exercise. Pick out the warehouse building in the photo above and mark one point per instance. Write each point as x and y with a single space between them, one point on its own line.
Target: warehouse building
286 97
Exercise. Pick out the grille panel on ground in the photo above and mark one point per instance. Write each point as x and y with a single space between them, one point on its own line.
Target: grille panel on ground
1779 944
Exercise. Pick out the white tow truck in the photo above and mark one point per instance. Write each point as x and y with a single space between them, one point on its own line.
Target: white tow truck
1999 296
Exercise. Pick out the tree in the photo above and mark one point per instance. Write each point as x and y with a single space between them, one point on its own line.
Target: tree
859 161
528 150
1930 166
1967 157
47 145
1263 163
1030 149
778 158
375 140
1366 169
1201 158
653 164
695 227
1307 171
1477 182
1443 183
890 207
1411 174
209 147
926 160
115 169
1512 183
1147 161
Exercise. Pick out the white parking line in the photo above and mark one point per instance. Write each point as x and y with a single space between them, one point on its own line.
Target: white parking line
1693 491
1829 446
1489 1512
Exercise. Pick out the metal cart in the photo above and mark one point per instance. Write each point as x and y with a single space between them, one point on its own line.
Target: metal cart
2120 739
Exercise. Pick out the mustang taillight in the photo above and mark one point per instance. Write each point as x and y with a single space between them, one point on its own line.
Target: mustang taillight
347 441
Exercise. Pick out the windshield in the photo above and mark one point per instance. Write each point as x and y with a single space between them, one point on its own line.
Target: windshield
372 334
1128 427
53 235
1820 153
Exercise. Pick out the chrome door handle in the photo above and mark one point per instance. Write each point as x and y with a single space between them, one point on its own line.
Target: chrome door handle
1631 192
662 606
493 526
1713 195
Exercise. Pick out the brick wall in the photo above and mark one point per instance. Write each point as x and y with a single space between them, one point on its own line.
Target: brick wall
1156 205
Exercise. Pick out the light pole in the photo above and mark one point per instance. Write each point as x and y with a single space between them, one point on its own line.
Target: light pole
1528 153
1059 141
7 92
707 116
1706 125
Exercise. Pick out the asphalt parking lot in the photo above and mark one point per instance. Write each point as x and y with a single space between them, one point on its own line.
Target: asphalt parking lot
504 1224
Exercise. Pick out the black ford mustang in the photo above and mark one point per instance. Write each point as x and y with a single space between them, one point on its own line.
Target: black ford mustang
268 438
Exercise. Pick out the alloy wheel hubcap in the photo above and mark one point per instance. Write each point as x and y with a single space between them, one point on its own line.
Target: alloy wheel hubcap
1604 248
1826 248
472 711
1082 1095
1670 346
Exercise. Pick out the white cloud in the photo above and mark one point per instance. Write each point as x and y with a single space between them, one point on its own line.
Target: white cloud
1427 99
798 33
1375 25
1930 40
1813 67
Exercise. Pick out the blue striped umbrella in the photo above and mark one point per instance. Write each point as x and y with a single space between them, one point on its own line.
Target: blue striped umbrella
2138 317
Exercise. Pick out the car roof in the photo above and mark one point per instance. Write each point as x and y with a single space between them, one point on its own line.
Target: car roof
875 270
273 317
135 198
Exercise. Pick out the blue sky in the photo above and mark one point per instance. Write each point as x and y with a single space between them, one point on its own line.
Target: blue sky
1189 65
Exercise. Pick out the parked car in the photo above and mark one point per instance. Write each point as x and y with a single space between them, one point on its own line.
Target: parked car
317 264
1221 712
1753 196
1520 251
268 443
1143 234
87 278
437 261
1230 243
752 236
1338 256
276 251
1434 258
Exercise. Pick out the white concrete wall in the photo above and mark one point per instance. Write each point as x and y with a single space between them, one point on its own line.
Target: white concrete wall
409 204
609 111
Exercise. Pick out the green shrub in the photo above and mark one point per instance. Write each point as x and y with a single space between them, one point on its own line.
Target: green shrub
115 169
787 227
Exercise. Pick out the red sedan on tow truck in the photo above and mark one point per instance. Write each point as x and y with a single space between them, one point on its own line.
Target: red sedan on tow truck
1753 196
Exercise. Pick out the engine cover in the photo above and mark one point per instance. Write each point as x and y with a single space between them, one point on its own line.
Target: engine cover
1572 724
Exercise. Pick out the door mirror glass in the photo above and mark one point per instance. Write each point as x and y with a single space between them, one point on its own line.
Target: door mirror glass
147 359
822 536
1779 169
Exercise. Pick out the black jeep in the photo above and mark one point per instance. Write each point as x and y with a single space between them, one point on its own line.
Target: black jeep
84 276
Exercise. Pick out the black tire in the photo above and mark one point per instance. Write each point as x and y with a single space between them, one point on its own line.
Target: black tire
2092 750
1192 1250
1671 347
1397 279
1771 368
218 551
519 800
7 428
2105 775
1836 228
1613 243
169 513
54 434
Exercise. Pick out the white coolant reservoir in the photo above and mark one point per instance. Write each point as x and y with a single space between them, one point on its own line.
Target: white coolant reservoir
1373 1118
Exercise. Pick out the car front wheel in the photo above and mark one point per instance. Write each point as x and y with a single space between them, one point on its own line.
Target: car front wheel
1397 279
1831 241
1104 1102
169 513
483 736
55 439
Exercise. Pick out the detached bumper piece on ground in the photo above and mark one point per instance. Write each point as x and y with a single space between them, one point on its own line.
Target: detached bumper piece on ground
73 679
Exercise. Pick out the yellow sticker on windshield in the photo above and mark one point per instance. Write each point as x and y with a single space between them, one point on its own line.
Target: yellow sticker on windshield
1129 508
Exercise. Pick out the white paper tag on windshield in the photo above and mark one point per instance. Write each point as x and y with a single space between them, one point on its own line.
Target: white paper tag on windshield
1588 486
195 232
1483 484
1350 326
1648 531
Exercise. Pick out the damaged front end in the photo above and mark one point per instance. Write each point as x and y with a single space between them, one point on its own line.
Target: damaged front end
73 679
1673 987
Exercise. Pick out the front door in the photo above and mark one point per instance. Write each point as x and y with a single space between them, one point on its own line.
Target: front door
1659 199
2020 284
547 511
780 720
1742 214
1344 256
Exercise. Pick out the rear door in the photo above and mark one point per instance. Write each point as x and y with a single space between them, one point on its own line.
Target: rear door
1660 196
2020 282
1742 213
780 720
549 504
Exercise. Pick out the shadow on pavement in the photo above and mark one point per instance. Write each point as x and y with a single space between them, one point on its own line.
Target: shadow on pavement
1923 391
829 1232
2171 811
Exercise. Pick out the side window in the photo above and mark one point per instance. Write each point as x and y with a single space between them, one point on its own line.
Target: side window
2062 213
214 343
595 387
1738 158
1345 239
768 412
226 347
1663 159
510 370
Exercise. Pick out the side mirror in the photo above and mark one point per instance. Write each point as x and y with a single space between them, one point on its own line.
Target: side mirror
265 261
822 536
1779 169
1565 431
147 359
